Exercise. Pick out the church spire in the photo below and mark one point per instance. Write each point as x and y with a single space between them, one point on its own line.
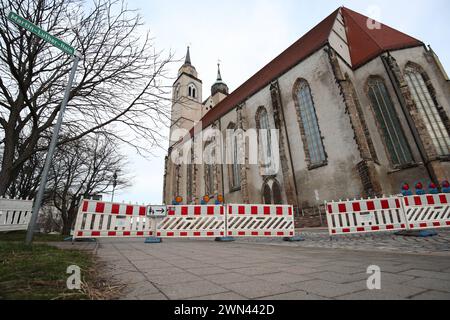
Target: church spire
219 85
188 57
187 67
219 76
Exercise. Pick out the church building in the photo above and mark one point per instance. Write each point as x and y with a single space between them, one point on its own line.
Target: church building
360 108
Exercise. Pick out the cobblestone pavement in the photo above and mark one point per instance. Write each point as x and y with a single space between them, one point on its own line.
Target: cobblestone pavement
262 269
317 238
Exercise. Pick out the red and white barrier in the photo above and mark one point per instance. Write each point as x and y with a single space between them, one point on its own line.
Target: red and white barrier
97 219
427 211
192 222
260 221
365 216
15 214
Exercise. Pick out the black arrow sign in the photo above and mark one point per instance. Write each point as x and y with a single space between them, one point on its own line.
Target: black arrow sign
161 211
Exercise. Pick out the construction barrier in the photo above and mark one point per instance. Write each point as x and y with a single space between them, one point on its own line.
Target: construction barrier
98 219
192 222
15 214
427 211
365 216
260 221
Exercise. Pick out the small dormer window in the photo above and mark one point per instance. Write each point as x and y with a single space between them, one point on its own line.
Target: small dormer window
192 91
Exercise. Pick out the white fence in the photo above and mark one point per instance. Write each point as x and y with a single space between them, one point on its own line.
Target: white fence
388 214
15 214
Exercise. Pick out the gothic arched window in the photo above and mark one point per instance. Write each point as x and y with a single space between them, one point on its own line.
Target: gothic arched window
271 192
189 182
309 125
264 136
388 123
192 91
276 190
428 110
176 91
176 181
267 194
234 168
209 168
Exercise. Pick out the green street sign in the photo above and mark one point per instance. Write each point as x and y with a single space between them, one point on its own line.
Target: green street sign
41 33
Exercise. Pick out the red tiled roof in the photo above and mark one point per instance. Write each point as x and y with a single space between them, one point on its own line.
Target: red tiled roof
305 46
365 44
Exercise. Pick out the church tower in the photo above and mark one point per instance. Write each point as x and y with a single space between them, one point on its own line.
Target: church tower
187 98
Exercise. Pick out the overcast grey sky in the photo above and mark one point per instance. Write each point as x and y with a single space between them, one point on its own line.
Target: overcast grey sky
246 35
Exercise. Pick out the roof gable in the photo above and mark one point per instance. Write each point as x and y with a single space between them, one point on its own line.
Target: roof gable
366 43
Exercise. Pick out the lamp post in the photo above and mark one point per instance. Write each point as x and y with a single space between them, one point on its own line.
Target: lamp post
114 185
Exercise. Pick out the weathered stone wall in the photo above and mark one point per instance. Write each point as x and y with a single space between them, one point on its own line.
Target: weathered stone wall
422 59
366 167
312 217
324 183
390 179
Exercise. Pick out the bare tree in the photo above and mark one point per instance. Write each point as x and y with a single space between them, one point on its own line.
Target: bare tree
27 181
83 168
119 90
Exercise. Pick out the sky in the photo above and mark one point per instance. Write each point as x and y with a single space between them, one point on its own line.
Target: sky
246 35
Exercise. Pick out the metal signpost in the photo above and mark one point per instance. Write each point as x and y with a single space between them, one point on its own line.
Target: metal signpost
157 214
71 51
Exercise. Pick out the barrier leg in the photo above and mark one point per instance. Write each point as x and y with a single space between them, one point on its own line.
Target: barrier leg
294 239
153 240
225 239
81 240
417 233
155 228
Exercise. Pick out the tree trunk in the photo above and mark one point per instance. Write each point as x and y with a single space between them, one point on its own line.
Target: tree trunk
67 226
10 141
66 229
69 221
5 180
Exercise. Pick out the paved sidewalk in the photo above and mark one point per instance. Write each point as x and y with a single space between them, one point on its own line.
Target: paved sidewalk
204 269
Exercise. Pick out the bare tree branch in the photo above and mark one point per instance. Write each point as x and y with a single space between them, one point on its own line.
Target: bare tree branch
119 88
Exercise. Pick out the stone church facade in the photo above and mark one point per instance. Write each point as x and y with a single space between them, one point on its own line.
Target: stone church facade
360 108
